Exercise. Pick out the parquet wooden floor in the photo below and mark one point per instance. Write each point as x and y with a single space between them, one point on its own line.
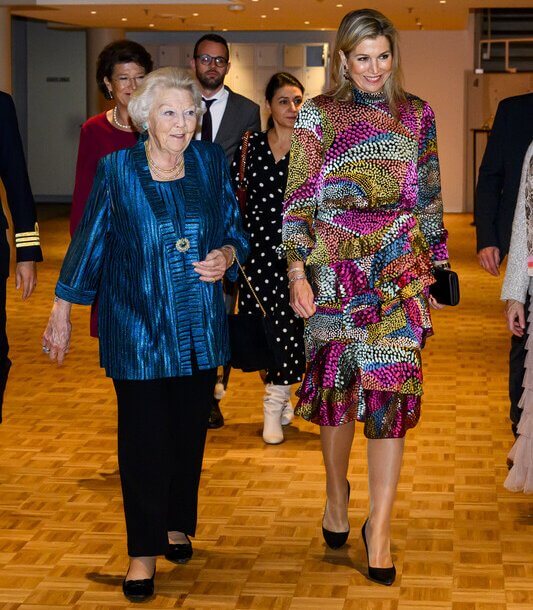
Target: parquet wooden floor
461 541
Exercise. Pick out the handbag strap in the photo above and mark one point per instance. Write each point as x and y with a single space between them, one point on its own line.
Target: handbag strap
242 160
250 287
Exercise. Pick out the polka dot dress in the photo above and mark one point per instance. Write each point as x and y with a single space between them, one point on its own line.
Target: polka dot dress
266 182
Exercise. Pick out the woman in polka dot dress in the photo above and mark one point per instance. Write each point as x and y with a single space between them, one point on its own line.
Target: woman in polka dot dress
362 230
267 162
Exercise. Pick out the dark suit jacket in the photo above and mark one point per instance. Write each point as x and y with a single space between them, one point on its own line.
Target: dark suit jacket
241 115
500 170
14 175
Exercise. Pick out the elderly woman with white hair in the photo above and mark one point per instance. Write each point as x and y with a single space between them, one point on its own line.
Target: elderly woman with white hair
160 230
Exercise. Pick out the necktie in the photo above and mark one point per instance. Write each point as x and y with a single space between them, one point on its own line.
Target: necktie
207 121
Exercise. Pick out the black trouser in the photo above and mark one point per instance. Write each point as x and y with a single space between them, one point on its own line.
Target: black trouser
517 356
5 362
162 425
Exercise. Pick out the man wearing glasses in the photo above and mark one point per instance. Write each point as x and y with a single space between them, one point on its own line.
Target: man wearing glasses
227 116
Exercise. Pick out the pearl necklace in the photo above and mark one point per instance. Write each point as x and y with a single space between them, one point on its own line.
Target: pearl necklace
164 174
117 122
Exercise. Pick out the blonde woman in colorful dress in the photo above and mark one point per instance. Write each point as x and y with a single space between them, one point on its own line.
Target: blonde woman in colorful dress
516 285
362 230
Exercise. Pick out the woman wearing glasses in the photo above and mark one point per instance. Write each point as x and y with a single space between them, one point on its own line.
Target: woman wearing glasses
120 68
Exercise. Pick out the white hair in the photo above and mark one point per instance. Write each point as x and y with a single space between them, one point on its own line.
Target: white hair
143 97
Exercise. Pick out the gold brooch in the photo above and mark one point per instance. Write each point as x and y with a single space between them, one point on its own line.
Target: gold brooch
183 244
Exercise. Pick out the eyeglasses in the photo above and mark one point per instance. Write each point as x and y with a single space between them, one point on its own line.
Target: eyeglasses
124 81
205 60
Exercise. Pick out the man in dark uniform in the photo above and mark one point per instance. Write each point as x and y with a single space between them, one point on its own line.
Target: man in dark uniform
497 191
14 176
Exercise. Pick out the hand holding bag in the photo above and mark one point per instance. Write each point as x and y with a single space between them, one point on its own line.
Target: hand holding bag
252 339
445 290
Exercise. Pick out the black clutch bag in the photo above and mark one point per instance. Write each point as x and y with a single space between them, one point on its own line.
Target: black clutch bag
445 290
252 340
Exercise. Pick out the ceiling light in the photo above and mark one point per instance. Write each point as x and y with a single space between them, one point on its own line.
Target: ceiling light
236 8
151 25
93 12
442 1
339 5
307 22
195 14
276 8
263 16
124 19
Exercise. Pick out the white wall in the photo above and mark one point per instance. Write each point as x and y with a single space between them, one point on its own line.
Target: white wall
435 67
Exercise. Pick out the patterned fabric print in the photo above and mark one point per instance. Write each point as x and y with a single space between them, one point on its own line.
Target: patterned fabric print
363 211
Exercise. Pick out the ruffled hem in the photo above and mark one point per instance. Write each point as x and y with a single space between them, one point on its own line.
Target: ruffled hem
520 477
339 387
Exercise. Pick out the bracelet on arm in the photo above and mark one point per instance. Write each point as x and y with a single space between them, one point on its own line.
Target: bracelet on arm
233 254
442 264
295 270
295 278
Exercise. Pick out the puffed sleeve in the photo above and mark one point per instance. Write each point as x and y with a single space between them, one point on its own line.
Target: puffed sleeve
80 273
429 206
304 185
234 234
516 281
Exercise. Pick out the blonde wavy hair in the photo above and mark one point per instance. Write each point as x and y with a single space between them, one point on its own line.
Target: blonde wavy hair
355 27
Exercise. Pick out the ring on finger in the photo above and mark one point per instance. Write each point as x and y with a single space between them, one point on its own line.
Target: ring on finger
46 350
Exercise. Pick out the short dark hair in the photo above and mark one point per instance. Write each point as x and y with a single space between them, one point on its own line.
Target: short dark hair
120 52
211 38
277 81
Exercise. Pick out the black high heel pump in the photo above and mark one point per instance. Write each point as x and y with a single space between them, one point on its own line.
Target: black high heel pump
336 539
383 576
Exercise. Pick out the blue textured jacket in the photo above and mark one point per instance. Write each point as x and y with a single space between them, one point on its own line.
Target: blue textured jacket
153 311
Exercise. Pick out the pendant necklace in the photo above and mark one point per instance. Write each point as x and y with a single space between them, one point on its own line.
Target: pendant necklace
166 175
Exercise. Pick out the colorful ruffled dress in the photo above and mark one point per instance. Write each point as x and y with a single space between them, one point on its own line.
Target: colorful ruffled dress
363 211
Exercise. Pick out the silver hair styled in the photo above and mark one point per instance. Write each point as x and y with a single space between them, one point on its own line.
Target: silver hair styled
143 97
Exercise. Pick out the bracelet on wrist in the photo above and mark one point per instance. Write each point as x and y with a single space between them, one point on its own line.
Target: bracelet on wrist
442 264
233 254
296 278
295 270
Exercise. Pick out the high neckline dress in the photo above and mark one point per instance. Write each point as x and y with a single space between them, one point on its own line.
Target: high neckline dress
363 211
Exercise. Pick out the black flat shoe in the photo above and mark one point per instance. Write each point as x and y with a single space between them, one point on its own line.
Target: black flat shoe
336 539
216 419
383 576
179 553
138 590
